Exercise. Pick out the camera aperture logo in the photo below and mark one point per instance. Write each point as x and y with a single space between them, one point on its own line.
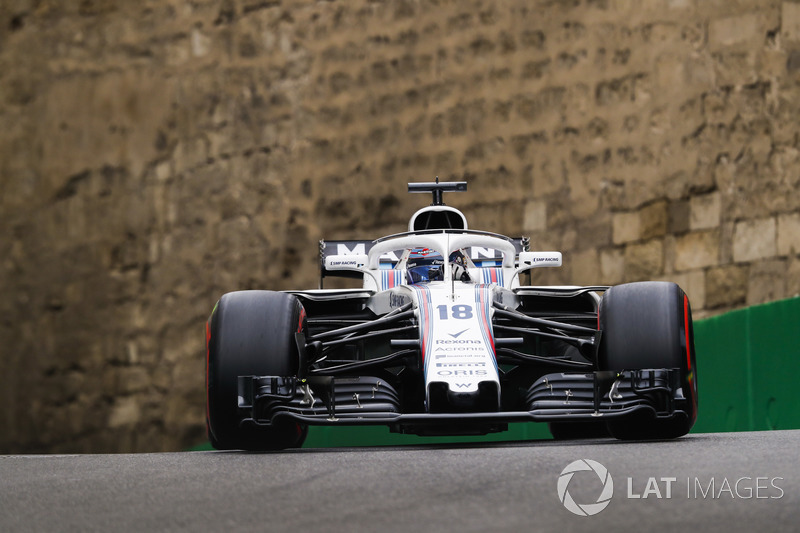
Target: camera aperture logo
585 509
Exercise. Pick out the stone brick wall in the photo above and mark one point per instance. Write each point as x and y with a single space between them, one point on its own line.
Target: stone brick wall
156 154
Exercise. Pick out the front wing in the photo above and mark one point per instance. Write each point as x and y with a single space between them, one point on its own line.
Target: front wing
366 400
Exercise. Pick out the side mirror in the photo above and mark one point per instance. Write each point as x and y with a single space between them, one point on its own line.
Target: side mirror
346 262
539 259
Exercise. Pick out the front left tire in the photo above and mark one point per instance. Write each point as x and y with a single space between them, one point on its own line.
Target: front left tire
648 325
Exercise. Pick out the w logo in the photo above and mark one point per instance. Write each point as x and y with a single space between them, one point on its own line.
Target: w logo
585 509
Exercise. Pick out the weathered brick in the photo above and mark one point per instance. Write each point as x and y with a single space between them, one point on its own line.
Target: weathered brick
726 286
200 43
754 240
583 189
698 249
790 21
654 220
626 227
128 380
535 216
789 234
612 266
726 242
705 211
679 216
766 282
569 239
644 260
738 30
584 267
693 284
793 278
125 412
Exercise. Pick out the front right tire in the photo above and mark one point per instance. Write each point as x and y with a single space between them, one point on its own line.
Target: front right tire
250 333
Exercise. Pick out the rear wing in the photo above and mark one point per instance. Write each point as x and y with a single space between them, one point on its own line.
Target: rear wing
482 257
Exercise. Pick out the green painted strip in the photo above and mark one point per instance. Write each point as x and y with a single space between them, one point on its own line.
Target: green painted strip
748 358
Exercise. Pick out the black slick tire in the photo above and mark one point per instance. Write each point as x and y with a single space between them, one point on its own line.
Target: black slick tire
649 325
250 333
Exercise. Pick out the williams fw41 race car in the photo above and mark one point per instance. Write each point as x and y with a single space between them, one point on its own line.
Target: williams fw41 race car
443 338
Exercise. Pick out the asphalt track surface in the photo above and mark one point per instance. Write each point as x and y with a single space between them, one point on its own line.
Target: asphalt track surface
492 487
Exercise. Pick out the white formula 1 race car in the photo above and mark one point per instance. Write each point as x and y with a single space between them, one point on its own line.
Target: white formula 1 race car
443 338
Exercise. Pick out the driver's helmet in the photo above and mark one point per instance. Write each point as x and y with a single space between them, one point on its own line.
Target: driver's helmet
459 264
424 265
458 258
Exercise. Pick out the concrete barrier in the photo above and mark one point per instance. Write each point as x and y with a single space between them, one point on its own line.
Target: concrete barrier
748 364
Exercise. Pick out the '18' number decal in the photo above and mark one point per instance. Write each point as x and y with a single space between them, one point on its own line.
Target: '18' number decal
459 312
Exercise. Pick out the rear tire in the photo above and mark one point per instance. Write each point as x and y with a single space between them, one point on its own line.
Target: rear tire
649 325
250 333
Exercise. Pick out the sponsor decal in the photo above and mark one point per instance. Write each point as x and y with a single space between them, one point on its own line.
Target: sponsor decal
449 355
461 349
422 252
397 300
359 248
478 252
456 335
458 341
344 262
456 373
459 365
